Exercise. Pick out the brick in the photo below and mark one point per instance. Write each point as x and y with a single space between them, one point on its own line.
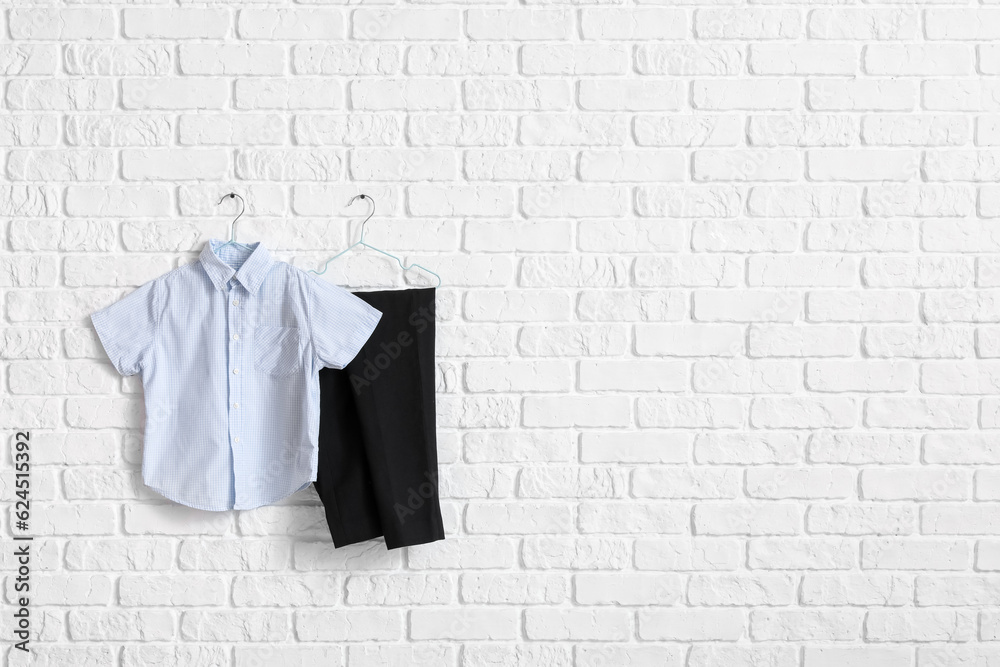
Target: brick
918 60
925 624
918 342
385 94
573 59
505 518
827 412
887 94
861 519
627 589
505 165
231 59
691 624
293 24
174 519
799 625
259 93
159 654
634 447
645 23
802 130
75 590
584 340
339 58
721 483
888 590
80 519
577 624
689 340
595 655
119 555
674 130
939 656
754 448
632 375
171 591
755 23
685 412
116 625
705 655
174 23
687 554
118 130
930 413
786 483
514 588
914 130
796 553
863 24
949 519
616 306
352 130
60 94
917 272
522 24
746 519
481 447
813 58
795 201
27 60
234 626
747 95
368 655
618 95
624 517
465 624
178 93
864 376
892 553
285 590
559 482
740 589
591 129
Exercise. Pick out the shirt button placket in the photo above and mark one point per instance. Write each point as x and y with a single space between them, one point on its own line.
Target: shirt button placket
236 394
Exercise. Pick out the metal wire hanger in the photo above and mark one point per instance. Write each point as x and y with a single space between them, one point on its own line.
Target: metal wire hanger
232 231
361 241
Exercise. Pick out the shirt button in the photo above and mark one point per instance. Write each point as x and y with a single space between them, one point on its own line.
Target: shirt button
236 302
236 439
236 336
236 406
236 371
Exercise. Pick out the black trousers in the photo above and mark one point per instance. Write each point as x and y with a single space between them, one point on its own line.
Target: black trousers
378 468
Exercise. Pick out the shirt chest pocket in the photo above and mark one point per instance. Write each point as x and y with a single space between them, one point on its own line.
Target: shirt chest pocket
277 350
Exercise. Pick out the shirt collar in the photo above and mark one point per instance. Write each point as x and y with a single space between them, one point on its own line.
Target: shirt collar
251 273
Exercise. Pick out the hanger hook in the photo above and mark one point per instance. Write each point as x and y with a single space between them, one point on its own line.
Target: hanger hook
243 207
368 198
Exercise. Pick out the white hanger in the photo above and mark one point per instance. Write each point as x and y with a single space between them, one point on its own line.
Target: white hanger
361 241
232 231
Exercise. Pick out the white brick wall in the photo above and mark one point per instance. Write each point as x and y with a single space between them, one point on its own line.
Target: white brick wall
718 344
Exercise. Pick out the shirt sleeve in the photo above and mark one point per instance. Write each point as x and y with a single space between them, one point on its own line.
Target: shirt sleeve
340 323
127 328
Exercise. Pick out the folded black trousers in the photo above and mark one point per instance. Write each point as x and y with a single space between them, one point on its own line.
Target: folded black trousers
378 469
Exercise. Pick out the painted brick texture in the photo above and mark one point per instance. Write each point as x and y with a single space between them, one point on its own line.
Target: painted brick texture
718 344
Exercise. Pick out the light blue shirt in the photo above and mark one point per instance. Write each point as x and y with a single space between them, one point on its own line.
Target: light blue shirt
230 348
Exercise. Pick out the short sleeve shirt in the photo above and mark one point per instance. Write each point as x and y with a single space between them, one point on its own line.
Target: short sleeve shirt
229 349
